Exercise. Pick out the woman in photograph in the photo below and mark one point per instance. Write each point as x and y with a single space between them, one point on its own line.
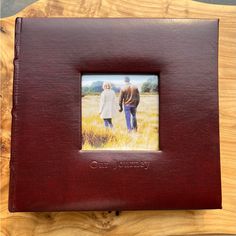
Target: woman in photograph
107 108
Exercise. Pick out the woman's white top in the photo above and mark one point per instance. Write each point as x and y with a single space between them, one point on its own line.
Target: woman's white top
107 108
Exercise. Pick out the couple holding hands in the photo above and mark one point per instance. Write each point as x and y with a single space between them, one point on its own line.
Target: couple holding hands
128 101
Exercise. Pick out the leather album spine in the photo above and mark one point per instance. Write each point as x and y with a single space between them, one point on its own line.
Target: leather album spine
16 63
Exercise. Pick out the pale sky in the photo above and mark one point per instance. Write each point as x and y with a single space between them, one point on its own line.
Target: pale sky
117 79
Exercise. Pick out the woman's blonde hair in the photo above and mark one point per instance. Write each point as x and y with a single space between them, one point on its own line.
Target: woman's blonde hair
106 85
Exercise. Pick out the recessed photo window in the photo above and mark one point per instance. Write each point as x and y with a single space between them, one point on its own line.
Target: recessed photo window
120 112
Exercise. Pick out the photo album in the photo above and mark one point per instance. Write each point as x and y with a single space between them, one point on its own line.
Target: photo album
115 114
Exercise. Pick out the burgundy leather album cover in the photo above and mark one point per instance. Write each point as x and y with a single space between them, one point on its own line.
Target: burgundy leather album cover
115 114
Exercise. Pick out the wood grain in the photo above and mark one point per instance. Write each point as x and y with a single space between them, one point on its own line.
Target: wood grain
140 222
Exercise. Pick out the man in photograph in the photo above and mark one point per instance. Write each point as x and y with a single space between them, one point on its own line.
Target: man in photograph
129 98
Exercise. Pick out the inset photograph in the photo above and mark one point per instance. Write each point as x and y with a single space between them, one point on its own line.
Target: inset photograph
120 112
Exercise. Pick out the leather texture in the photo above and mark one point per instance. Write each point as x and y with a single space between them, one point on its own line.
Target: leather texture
48 170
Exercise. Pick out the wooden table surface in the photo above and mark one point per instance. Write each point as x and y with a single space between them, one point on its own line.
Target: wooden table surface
186 222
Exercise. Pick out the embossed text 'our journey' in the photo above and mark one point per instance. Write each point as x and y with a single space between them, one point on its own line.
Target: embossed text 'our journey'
119 165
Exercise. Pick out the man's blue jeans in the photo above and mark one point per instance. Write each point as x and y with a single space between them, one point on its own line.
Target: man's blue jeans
130 116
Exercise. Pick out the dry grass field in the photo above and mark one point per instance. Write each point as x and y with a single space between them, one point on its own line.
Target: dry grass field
97 137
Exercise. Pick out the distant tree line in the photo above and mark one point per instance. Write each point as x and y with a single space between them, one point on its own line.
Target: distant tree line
150 86
96 87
